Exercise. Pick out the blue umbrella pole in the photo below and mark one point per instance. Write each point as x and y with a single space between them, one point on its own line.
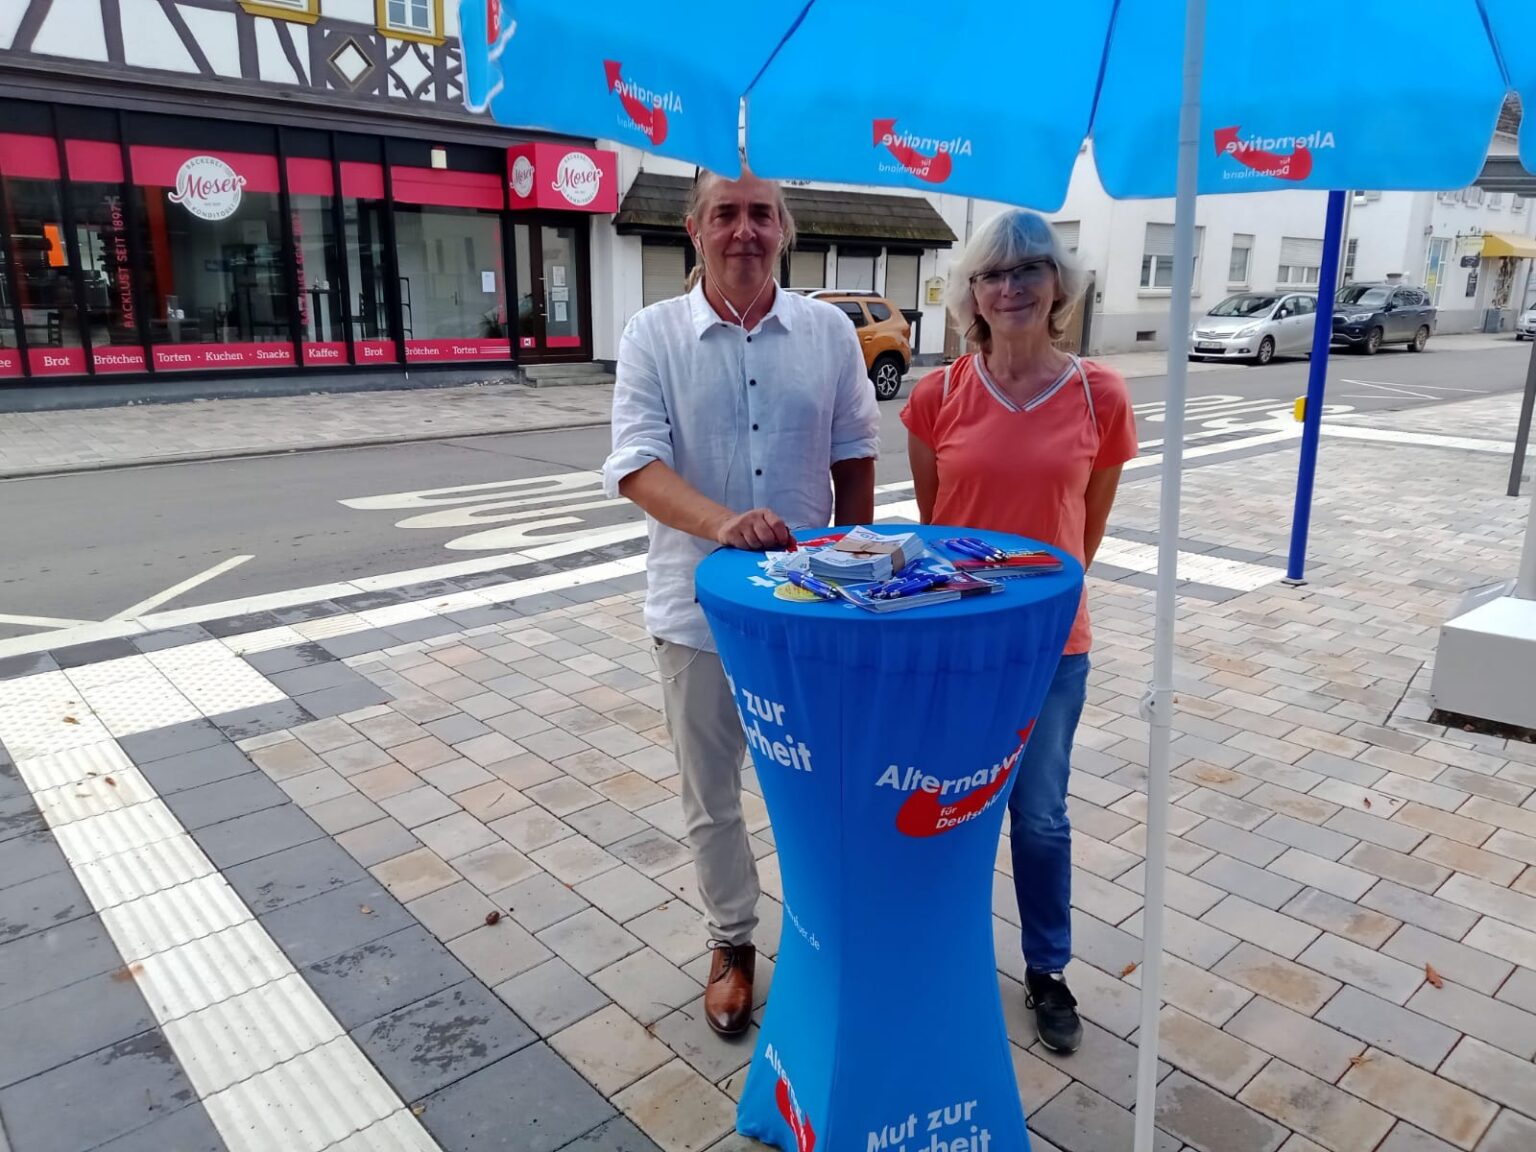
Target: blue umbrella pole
1317 384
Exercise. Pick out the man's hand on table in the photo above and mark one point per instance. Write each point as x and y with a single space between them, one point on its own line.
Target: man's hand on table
754 531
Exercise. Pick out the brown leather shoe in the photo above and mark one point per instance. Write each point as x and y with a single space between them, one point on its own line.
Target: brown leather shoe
728 997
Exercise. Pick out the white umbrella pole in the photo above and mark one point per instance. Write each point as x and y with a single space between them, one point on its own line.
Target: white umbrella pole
1158 704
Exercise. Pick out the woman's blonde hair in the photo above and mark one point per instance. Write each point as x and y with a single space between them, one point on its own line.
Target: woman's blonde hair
702 178
1009 239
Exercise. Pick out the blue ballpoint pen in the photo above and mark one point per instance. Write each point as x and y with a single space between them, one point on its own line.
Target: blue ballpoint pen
991 552
908 585
976 549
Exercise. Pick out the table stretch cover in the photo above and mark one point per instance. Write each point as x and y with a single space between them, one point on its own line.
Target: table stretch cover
885 746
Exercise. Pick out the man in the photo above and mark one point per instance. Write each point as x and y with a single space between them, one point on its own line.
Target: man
733 406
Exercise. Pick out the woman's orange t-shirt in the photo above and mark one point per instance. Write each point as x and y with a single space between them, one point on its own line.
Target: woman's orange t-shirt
1023 469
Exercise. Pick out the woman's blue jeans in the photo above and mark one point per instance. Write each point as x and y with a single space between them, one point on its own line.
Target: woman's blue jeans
1039 829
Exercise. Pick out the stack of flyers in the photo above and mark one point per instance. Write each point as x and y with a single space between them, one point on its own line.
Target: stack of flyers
929 580
864 555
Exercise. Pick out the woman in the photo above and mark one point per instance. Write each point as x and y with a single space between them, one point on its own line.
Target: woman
1022 437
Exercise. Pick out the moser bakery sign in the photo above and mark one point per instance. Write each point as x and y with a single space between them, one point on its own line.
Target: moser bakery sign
208 187
563 179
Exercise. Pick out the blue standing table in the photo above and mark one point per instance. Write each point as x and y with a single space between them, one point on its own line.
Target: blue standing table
886 746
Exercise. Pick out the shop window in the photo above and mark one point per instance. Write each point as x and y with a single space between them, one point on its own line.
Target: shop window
901 275
317 262
117 342
299 11
452 287
216 278
368 279
419 20
663 271
856 269
47 295
10 350
99 201
808 268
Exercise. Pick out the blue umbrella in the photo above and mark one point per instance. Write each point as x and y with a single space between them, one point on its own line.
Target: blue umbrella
1260 97
669 77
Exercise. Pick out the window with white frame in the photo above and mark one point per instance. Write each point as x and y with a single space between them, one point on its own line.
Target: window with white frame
1496 201
1240 265
1157 257
1472 197
1301 262
1350 251
1517 203
1069 232
411 19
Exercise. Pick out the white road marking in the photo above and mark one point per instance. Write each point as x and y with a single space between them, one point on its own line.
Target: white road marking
1431 387
1390 389
175 590
535 486
41 621
512 514
1419 439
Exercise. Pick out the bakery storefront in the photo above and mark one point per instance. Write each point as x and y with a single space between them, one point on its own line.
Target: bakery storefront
143 245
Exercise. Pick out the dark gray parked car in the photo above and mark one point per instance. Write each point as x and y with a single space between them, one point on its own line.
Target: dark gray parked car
1366 316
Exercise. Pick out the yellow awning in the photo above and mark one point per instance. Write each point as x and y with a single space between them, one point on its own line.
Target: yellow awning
1501 244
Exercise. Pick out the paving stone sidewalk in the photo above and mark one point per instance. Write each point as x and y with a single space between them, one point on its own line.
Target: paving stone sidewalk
1352 894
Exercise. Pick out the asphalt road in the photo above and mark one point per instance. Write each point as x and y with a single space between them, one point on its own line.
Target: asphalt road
96 545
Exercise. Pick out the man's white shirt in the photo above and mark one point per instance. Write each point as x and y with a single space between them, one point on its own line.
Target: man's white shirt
750 419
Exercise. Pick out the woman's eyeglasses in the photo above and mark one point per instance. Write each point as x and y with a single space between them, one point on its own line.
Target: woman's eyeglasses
1029 274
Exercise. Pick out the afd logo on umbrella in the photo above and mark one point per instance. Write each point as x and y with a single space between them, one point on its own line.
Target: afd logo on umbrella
926 158
941 804
643 108
1281 157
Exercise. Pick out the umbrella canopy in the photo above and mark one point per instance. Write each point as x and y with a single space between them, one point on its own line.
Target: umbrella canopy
1285 101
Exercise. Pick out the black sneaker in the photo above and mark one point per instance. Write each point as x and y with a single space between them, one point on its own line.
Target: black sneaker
1055 1011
